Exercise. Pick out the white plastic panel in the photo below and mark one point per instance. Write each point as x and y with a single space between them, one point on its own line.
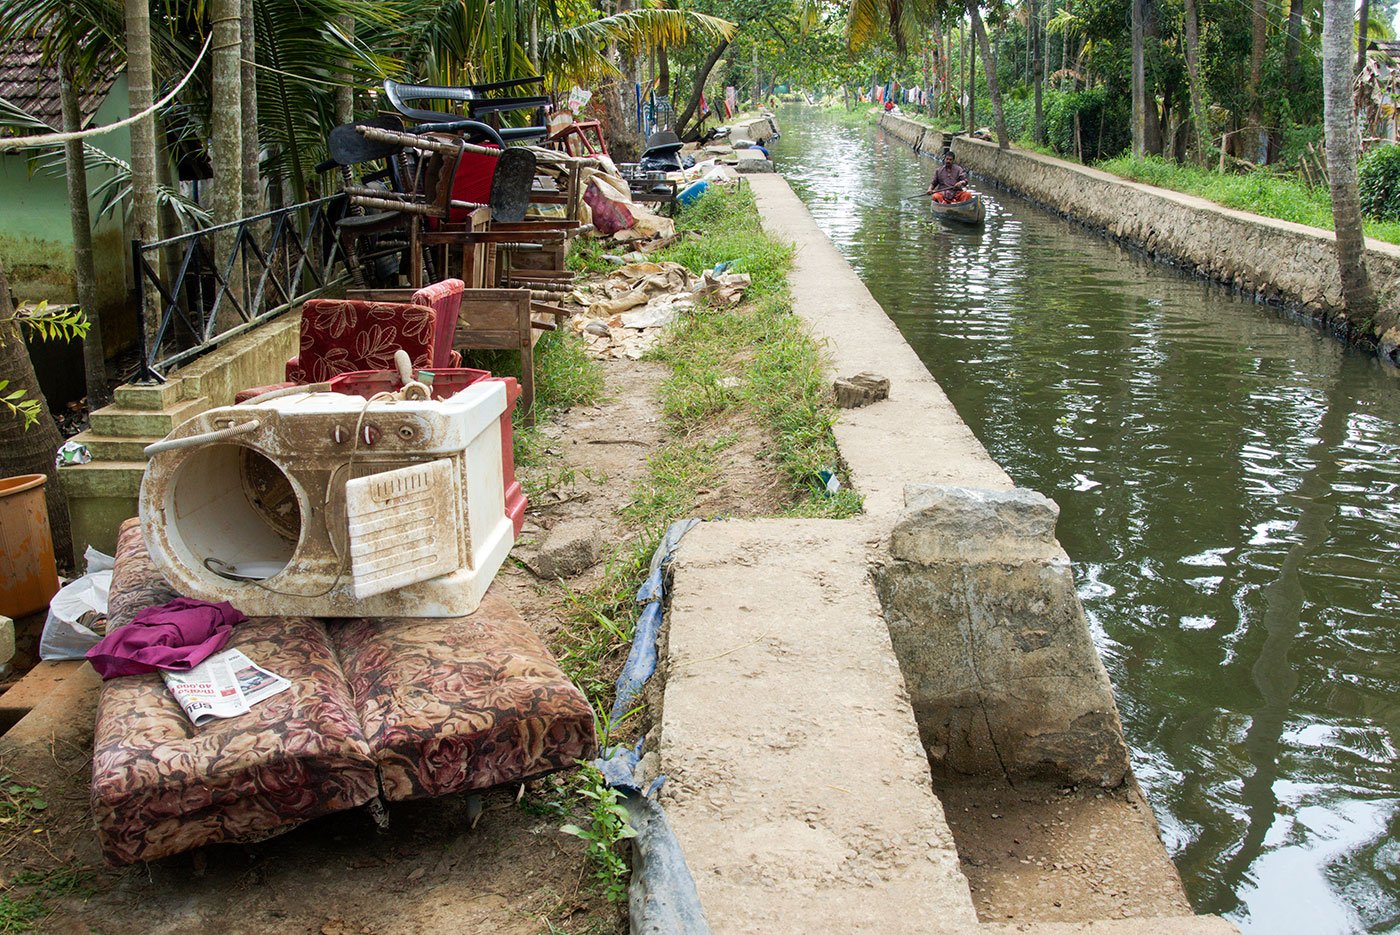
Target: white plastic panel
404 527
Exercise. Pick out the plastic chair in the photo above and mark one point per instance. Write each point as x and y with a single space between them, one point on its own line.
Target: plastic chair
475 103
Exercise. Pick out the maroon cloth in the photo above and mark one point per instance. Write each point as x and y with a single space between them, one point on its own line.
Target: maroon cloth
176 636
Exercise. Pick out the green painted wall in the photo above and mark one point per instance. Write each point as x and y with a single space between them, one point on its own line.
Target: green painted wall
36 235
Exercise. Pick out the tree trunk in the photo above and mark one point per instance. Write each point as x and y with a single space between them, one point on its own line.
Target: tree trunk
84 273
701 76
1193 78
972 85
1363 23
226 112
989 65
1154 134
1139 81
32 450
1038 127
252 179
1258 45
663 73
1294 40
143 223
345 97
1339 125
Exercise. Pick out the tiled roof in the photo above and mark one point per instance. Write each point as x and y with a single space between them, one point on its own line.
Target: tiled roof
30 86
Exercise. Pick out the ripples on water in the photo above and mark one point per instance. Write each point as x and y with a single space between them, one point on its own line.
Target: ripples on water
1229 492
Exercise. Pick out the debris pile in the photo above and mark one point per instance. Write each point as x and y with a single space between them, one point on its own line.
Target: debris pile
626 310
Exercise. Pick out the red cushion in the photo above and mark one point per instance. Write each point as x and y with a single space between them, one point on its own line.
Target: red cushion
341 335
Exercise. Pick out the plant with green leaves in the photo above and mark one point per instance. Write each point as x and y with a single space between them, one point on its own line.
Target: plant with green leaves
50 325
607 828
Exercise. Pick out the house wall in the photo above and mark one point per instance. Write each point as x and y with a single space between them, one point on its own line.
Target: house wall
36 240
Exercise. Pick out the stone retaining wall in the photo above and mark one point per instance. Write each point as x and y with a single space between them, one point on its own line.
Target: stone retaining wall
1276 261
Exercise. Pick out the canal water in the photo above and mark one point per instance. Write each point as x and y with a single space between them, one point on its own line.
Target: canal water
1229 485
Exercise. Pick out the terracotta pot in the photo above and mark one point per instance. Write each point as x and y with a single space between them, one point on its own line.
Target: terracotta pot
28 575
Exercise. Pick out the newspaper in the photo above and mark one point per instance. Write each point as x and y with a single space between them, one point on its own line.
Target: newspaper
226 684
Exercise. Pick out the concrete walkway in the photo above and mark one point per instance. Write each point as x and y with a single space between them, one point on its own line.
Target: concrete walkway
797 783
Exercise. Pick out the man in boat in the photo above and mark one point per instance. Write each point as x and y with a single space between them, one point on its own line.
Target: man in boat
949 185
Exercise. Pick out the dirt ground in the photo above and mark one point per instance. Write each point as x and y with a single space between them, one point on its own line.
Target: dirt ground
1041 853
495 863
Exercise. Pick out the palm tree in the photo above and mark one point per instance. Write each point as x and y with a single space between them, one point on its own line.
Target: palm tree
1193 80
28 434
989 66
1339 127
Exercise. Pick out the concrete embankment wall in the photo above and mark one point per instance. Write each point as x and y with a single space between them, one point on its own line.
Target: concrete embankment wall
1276 261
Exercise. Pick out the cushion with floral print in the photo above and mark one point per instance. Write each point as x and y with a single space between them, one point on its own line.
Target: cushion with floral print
161 786
461 703
341 335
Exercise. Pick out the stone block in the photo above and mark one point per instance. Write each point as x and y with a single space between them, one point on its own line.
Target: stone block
860 390
754 166
996 653
569 549
7 640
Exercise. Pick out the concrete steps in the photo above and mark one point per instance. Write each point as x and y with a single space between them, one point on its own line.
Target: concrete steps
797 784
121 422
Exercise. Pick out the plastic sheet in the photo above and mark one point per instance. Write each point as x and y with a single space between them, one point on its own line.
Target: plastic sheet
641 659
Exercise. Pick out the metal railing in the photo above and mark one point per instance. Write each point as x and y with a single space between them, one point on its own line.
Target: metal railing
214 284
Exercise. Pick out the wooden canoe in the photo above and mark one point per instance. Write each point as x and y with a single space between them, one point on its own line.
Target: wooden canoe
972 211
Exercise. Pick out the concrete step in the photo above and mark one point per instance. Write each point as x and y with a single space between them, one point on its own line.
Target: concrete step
114 448
797 785
121 422
103 479
152 398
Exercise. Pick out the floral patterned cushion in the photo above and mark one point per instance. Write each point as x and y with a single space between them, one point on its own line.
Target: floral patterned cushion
431 706
461 703
161 786
341 335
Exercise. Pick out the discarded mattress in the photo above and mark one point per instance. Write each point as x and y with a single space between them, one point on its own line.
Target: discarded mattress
403 708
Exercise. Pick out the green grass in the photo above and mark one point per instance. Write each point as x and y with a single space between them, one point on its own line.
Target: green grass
756 361
565 376
758 357
1259 192
25 898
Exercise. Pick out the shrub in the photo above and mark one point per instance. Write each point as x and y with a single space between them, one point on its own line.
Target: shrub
1096 109
1380 183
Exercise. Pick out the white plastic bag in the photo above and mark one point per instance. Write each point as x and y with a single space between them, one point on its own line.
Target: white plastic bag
65 635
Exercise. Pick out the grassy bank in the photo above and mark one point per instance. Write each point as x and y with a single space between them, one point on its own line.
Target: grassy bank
1257 192
745 394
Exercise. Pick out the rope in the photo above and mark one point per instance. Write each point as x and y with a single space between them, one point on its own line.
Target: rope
54 139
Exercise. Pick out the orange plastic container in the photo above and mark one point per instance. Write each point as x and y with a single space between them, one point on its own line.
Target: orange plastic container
28 575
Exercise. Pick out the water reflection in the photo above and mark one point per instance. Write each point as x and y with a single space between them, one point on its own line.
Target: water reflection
1227 479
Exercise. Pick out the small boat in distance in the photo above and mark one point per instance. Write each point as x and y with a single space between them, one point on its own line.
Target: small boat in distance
970 211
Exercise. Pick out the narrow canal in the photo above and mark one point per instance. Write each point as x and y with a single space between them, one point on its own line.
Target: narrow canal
1229 487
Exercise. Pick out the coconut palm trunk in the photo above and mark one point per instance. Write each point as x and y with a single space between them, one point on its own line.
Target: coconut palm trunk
143 223
1193 78
252 178
989 65
30 450
1339 126
84 271
226 112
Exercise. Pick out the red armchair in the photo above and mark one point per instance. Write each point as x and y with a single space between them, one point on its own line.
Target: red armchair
362 333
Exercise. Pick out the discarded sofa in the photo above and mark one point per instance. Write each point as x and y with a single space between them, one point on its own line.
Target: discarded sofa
398 708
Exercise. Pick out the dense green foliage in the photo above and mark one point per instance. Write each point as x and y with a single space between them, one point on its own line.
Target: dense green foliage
1380 183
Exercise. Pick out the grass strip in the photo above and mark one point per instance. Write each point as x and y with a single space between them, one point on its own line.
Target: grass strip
1259 192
